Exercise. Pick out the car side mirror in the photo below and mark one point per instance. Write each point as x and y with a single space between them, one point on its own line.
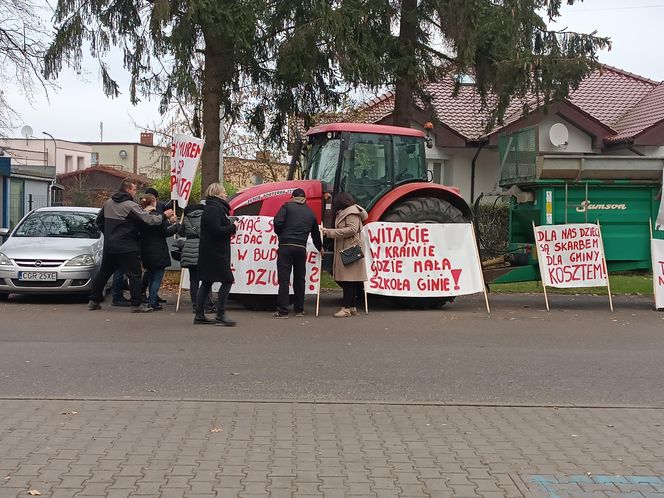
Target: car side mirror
4 232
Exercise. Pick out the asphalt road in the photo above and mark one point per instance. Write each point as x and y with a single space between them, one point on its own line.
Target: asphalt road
578 354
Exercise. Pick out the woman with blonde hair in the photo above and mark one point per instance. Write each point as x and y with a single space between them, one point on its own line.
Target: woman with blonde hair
214 255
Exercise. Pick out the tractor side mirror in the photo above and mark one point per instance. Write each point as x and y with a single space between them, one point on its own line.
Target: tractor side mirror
429 176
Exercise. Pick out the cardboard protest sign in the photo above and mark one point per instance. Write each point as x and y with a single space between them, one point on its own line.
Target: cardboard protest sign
422 260
254 258
657 253
571 255
185 155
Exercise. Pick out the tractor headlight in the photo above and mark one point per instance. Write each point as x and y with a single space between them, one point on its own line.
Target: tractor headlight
82 260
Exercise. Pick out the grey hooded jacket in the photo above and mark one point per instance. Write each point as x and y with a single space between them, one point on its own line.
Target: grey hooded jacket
191 230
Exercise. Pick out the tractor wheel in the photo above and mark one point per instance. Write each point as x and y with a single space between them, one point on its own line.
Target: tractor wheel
423 210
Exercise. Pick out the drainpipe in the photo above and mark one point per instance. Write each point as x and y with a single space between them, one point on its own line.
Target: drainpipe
472 171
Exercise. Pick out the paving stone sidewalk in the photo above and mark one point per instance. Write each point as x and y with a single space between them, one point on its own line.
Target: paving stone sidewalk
252 449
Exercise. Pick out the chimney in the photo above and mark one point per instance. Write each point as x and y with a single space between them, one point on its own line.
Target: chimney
147 138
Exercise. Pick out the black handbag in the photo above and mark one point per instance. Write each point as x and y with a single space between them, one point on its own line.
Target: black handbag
351 254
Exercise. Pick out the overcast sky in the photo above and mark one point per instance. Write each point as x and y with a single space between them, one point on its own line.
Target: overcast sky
76 109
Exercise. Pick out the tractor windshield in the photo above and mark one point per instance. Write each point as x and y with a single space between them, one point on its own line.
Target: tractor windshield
371 164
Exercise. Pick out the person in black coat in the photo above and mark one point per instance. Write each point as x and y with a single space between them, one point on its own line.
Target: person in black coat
214 254
155 256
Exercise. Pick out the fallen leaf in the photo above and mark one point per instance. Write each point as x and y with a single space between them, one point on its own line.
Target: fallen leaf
152 390
216 429
69 413
235 373
34 492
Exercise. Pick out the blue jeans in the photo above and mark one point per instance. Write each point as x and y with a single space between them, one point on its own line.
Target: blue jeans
155 276
117 290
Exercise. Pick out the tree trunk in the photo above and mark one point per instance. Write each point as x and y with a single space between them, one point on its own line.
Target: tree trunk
403 98
212 81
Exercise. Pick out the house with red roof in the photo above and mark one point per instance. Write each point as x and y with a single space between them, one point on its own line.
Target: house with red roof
612 112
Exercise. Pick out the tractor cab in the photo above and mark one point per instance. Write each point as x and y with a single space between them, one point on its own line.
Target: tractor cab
366 161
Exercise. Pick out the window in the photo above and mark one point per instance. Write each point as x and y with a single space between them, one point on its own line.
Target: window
59 224
442 171
80 163
365 169
94 158
69 164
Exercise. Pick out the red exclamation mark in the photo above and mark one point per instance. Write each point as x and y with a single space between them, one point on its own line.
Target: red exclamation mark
455 275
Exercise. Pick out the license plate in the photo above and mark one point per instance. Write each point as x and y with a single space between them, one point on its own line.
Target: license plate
38 276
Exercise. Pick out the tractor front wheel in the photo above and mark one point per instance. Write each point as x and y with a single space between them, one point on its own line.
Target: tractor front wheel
423 210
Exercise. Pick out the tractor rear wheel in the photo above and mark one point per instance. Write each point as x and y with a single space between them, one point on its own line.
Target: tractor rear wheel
423 210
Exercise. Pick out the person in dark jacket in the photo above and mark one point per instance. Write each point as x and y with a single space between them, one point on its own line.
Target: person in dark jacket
214 254
160 208
120 220
155 255
191 231
293 224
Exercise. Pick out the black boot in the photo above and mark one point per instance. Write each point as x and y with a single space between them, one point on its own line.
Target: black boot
201 319
225 321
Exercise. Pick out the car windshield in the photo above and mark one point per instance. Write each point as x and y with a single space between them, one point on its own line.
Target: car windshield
69 224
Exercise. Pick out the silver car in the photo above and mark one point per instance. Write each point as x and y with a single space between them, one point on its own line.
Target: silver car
51 250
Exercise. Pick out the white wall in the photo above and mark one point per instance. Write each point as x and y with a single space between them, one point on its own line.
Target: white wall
40 194
487 168
38 152
578 143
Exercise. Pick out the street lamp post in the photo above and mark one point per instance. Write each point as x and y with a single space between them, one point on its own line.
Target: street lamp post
55 151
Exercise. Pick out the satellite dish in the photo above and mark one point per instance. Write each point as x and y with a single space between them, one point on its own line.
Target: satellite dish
123 154
26 131
559 135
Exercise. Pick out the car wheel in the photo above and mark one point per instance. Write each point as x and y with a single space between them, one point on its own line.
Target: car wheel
423 210
4 296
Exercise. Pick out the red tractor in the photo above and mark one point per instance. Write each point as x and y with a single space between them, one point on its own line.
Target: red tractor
383 167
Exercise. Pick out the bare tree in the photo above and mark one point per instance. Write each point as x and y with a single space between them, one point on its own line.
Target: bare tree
22 48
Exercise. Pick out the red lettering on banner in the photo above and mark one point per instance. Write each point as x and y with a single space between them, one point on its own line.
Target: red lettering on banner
660 280
311 258
262 277
265 254
568 233
248 238
433 284
386 266
432 265
397 284
576 273
400 235
544 236
661 266
455 275
242 255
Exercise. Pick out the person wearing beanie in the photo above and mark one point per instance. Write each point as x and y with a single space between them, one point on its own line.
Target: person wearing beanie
293 224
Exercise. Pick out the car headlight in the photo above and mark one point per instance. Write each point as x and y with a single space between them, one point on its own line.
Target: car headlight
82 260
4 260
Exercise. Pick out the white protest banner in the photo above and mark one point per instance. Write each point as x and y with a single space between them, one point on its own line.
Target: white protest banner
422 260
185 155
571 255
657 252
254 259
